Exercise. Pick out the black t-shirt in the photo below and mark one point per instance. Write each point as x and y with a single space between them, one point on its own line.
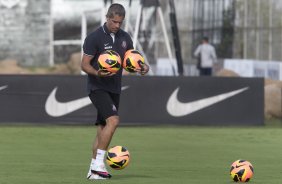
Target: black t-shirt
96 43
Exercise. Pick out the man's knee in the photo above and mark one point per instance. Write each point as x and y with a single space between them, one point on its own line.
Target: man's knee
113 121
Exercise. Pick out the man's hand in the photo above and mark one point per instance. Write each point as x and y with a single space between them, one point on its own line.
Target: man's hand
104 73
143 69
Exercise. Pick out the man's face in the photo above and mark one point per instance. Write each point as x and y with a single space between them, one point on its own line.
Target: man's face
114 23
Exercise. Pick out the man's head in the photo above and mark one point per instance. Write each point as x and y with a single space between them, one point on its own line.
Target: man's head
205 39
115 17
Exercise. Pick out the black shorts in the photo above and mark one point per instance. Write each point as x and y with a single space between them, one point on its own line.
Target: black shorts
106 104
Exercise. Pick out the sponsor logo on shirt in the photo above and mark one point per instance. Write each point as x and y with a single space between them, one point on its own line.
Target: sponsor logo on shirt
108 47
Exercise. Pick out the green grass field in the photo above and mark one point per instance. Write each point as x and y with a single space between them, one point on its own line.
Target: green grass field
159 155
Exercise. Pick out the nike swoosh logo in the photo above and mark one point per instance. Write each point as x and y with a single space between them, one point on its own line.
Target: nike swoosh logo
177 109
55 108
3 87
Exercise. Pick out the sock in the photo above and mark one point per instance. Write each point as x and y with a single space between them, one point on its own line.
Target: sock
92 161
100 156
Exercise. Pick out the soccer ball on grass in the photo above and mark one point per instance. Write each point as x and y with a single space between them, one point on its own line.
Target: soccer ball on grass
118 157
241 170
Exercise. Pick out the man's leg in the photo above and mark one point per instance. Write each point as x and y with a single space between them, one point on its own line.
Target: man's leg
107 105
104 140
208 72
107 133
96 140
202 71
90 175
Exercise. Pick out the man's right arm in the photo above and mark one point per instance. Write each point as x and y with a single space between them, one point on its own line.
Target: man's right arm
86 65
197 51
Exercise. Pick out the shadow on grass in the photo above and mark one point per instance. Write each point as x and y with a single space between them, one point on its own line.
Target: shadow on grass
132 176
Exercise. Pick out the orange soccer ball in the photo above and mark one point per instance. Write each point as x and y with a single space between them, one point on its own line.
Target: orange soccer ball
133 59
118 157
110 61
241 170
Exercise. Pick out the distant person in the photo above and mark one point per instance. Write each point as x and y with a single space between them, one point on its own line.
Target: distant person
205 53
105 87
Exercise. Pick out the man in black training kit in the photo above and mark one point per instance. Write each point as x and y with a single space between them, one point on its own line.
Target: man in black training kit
104 87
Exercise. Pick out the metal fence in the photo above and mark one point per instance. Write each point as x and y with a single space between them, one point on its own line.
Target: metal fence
248 29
